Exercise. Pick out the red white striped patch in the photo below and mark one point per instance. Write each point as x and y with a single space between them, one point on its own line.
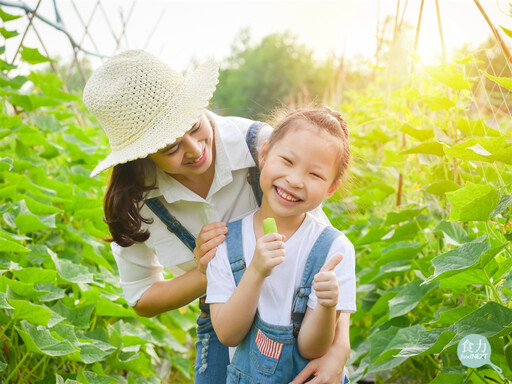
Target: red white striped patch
268 347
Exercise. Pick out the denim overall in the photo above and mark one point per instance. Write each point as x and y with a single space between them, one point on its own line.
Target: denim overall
269 353
212 357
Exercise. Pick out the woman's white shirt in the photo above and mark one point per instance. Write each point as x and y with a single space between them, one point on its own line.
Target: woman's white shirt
230 197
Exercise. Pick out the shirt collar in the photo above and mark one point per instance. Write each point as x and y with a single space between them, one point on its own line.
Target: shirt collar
227 136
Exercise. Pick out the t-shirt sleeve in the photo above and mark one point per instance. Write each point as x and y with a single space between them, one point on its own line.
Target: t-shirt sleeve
345 271
139 269
221 283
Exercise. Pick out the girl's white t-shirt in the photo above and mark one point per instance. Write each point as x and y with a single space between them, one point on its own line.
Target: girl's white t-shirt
278 291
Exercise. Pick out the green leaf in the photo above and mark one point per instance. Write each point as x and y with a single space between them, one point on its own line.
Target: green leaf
440 187
453 231
481 149
505 82
448 378
474 202
133 362
39 340
433 148
7 16
79 317
12 247
507 31
35 275
475 127
473 255
35 314
408 298
437 103
399 251
33 56
3 302
107 308
420 134
450 77
450 316
8 34
503 207
404 215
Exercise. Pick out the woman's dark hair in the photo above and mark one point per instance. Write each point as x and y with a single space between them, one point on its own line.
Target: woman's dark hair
123 202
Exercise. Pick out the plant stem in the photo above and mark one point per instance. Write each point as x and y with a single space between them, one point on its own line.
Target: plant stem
15 370
493 288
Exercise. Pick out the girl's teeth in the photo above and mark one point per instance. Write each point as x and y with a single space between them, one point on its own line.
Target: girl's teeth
286 196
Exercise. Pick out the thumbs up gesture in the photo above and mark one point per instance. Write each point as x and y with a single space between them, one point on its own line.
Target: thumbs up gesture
326 283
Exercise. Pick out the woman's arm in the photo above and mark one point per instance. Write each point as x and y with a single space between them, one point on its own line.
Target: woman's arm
170 294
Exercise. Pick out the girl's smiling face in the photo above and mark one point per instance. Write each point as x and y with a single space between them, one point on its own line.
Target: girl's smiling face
299 170
190 155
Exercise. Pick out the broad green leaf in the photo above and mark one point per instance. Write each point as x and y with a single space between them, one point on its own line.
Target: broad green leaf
107 308
453 231
474 202
3 302
503 207
475 127
437 103
452 315
473 255
11 246
89 377
419 134
35 314
382 304
33 56
77 316
8 34
404 215
440 187
18 288
433 148
399 251
481 149
8 16
450 77
507 31
448 378
408 298
35 275
51 292
133 362
183 365
39 340
505 82
70 271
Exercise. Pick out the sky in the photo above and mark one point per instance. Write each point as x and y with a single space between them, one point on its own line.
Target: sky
181 30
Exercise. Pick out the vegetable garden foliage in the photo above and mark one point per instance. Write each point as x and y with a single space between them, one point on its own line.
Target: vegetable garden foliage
430 271
63 318
438 267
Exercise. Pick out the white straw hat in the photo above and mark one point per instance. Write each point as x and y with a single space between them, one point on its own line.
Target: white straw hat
144 105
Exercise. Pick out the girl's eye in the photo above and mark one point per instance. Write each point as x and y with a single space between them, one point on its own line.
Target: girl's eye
317 176
195 129
286 160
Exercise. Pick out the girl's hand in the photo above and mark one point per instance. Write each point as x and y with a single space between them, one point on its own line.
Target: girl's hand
326 283
269 253
325 370
207 241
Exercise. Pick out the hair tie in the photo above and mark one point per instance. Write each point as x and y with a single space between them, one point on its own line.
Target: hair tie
340 119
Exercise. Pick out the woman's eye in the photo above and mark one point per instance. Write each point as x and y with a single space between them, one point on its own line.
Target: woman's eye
173 151
195 129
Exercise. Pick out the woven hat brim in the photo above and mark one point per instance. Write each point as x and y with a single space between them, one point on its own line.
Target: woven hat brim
178 116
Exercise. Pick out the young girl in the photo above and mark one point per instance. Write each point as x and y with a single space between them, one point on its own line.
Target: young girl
179 172
258 285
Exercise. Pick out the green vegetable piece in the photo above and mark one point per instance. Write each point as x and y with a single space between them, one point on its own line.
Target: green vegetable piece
269 225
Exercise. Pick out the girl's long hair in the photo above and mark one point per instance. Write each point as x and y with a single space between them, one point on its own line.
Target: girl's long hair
123 201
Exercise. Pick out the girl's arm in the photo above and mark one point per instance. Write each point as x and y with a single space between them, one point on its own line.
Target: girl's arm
328 369
233 319
318 326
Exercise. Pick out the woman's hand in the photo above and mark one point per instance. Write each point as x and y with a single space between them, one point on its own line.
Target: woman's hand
207 241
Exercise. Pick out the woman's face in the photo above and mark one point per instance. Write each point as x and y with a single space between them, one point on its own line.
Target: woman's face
190 155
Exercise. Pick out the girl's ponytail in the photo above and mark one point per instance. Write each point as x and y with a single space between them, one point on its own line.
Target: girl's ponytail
123 202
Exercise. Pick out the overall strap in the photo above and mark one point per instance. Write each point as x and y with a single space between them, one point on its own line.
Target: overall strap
172 223
235 250
254 172
315 261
